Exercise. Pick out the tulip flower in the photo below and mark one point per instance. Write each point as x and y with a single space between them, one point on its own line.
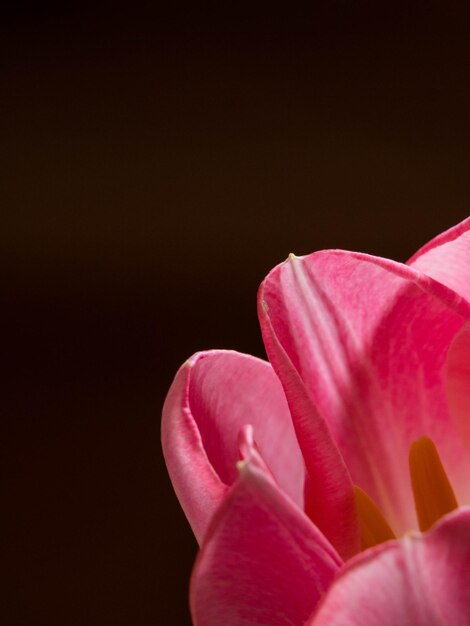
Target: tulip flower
330 485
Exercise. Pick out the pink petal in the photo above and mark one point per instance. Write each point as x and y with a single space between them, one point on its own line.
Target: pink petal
458 382
329 499
262 561
421 580
368 339
446 258
213 396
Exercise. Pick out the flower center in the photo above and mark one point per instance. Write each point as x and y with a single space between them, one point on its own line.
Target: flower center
432 492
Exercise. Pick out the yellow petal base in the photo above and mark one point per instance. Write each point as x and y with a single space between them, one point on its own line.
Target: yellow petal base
432 491
373 526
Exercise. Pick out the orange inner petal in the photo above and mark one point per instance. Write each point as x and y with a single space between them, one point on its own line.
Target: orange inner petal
373 526
432 491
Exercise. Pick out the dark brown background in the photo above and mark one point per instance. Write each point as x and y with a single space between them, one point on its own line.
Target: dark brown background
154 166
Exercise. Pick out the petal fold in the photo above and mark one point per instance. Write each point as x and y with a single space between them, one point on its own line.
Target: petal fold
262 561
420 580
215 395
329 494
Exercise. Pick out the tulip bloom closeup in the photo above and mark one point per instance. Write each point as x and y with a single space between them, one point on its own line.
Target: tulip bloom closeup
330 485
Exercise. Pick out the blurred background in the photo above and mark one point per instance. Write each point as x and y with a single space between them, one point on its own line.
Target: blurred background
155 164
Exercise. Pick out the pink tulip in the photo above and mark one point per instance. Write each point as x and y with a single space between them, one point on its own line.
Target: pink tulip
354 434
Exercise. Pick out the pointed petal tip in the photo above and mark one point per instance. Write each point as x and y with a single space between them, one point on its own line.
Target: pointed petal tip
264 306
241 464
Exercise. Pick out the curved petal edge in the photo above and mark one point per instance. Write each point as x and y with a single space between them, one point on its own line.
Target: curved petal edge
216 397
446 258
